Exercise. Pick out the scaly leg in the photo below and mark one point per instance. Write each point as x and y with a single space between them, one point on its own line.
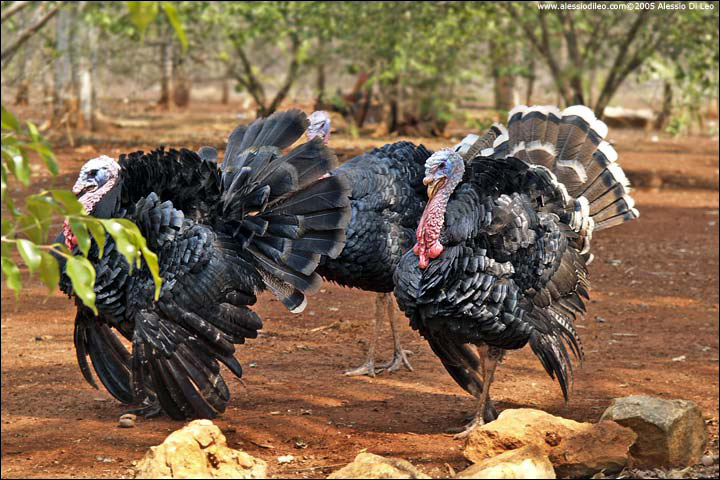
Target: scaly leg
399 355
368 368
485 412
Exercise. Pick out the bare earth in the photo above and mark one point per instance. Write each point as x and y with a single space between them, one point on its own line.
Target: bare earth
652 329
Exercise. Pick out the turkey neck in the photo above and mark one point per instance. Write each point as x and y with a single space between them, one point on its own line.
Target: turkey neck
89 202
428 245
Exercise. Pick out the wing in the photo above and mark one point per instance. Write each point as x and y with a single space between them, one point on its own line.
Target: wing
507 276
387 200
178 341
190 181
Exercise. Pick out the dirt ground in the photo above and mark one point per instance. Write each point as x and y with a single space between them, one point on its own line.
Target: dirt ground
651 329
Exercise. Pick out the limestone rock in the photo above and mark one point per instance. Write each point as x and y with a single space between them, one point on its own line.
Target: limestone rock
670 433
574 448
368 465
198 450
525 462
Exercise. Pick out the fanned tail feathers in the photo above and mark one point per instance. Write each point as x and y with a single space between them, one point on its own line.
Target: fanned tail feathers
571 145
280 207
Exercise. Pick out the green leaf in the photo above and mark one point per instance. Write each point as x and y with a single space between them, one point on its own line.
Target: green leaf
30 253
9 122
69 201
21 169
31 228
152 262
49 271
142 14
97 231
80 230
172 16
11 271
82 276
118 231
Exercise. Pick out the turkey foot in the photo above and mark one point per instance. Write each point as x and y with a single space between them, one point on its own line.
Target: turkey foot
368 368
399 359
147 409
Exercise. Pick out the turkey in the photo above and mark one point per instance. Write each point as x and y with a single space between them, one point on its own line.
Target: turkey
387 199
503 244
260 221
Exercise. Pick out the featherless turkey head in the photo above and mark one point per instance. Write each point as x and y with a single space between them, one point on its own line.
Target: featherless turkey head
443 172
97 178
319 126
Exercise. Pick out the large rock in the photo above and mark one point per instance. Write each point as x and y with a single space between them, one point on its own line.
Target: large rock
525 462
575 449
368 465
670 433
199 450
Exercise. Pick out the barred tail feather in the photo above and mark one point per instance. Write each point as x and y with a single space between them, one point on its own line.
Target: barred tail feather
280 207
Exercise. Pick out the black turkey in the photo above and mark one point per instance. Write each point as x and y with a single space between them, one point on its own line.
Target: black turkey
260 221
503 244
387 199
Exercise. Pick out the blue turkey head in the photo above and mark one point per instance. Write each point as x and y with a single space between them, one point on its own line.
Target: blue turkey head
443 171
319 126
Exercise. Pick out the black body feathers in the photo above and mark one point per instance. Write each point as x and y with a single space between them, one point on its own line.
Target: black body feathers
516 236
223 234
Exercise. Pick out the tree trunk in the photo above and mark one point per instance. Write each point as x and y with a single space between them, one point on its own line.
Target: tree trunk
530 86
666 111
63 67
320 86
182 84
225 95
166 65
86 57
503 83
22 95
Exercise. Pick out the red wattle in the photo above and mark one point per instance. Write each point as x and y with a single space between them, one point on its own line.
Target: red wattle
428 245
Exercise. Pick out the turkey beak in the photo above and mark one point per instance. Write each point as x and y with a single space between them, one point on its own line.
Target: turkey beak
433 185
80 188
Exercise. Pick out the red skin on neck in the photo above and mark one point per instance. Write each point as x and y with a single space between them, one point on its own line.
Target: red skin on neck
88 201
428 245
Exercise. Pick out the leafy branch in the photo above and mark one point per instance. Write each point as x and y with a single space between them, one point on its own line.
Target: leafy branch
26 230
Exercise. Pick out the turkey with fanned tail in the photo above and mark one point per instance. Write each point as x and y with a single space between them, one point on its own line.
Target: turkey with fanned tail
223 234
503 244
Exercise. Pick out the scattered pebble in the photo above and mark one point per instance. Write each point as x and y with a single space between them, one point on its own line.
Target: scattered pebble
614 262
127 420
43 338
282 459
333 309
104 460
600 319
301 444
681 358
707 460
252 365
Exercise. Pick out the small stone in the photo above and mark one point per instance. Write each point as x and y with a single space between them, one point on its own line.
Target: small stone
127 420
670 433
526 462
707 460
681 358
368 465
282 459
